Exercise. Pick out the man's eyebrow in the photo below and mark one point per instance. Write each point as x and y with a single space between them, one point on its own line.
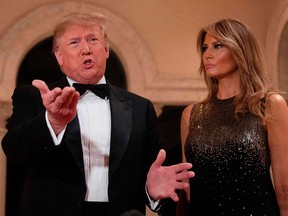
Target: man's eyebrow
74 38
92 35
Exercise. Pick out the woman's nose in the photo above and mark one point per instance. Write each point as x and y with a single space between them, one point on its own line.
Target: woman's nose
207 55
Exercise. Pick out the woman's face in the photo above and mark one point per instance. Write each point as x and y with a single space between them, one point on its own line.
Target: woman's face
217 59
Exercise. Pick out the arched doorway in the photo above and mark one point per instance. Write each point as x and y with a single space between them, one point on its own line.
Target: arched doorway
40 63
282 62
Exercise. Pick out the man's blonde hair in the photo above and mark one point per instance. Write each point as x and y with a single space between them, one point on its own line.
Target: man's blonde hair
79 19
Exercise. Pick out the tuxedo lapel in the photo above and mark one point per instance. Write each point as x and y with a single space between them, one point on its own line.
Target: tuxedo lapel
72 137
121 114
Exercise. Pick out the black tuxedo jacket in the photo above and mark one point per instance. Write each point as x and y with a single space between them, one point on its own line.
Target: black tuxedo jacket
54 180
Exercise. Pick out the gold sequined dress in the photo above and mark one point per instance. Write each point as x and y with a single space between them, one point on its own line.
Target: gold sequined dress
231 161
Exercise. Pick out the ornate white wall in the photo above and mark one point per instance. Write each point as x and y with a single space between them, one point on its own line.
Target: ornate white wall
140 70
276 49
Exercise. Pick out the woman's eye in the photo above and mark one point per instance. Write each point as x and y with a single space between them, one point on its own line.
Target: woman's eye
217 46
204 48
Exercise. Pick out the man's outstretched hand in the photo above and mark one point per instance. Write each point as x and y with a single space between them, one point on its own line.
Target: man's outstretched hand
163 181
60 104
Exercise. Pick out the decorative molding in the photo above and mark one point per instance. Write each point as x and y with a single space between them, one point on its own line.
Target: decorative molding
279 18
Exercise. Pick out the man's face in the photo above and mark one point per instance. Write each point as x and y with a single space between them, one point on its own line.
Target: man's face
82 54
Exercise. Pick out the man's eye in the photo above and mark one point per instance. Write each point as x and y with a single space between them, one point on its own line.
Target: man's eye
72 42
93 40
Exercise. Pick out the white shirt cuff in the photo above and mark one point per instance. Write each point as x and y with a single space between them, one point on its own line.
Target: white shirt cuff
154 205
56 139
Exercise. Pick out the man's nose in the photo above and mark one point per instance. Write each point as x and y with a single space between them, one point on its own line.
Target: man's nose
86 50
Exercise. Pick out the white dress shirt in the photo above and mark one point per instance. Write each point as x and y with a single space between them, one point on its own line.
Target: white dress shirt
95 124
94 116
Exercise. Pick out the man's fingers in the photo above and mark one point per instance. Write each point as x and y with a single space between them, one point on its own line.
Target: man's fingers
72 100
69 98
160 158
181 185
184 175
67 95
41 85
174 197
182 166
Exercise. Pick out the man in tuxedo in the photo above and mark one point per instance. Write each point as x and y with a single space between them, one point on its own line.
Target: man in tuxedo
87 149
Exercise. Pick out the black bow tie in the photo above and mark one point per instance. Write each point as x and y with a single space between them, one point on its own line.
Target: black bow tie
100 90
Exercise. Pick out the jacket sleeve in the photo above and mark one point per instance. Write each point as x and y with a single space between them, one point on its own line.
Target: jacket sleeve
28 136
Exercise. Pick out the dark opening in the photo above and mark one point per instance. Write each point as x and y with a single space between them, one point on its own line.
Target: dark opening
40 63
169 125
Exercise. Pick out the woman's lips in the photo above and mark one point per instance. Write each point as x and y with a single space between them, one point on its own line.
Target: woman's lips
209 66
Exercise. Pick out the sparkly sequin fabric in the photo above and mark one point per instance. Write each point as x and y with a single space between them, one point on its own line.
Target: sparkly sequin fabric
231 161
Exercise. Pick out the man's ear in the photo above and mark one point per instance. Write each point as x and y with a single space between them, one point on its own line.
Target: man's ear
58 56
107 52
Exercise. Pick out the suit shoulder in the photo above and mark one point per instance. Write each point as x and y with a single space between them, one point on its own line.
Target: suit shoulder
127 94
26 89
